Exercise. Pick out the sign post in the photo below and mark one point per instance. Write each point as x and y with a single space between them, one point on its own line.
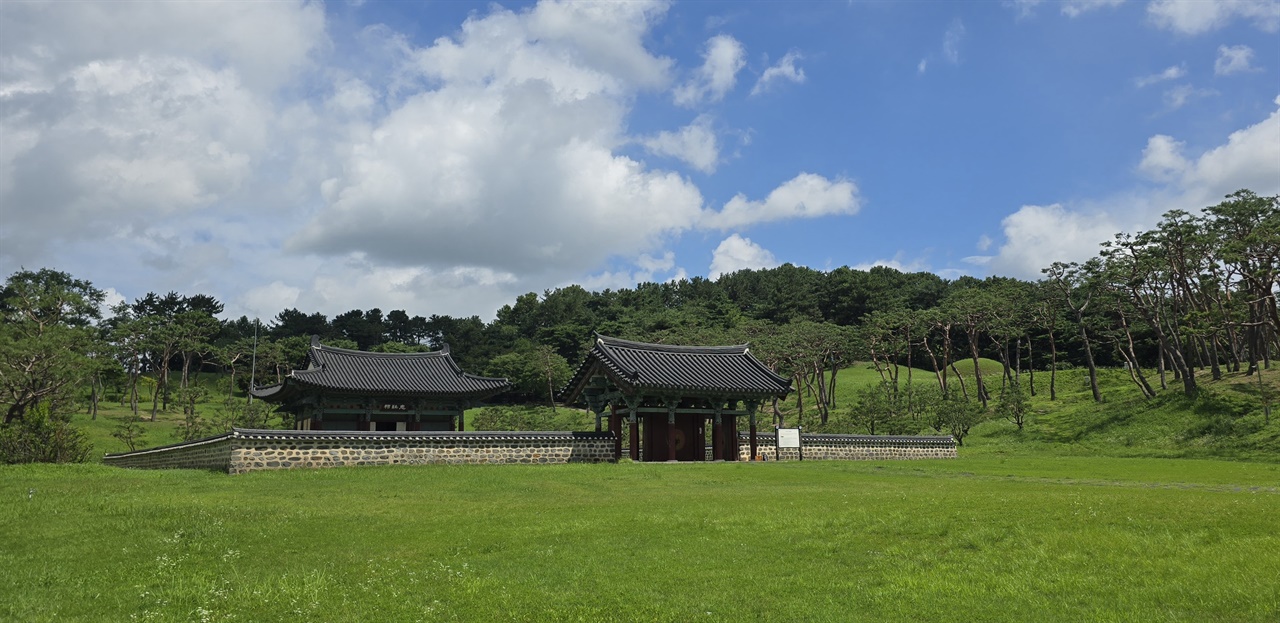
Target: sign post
789 438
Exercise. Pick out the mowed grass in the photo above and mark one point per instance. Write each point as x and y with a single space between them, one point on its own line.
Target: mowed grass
973 539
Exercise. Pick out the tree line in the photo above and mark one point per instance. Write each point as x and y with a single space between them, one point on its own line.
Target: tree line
1195 295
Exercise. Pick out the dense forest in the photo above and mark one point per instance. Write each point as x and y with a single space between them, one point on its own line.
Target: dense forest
1194 296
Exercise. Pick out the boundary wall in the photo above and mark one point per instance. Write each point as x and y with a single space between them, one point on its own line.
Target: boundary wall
850 447
245 450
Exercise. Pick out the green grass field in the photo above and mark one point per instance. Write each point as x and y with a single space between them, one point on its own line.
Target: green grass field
975 539
1085 515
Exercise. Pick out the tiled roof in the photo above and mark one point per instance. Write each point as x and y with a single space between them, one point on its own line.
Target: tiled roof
403 374
725 370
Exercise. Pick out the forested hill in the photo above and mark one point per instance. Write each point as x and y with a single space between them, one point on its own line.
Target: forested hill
1195 296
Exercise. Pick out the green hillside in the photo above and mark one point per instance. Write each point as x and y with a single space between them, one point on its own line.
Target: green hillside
1225 421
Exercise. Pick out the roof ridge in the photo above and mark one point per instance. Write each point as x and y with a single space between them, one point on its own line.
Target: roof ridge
736 349
315 344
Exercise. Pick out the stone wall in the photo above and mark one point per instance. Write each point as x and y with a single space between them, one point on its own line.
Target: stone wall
851 447
249 450
211 453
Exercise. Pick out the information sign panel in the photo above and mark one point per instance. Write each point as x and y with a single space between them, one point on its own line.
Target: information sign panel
788 438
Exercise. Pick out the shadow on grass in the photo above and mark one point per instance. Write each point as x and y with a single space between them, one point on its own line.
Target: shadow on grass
1061 429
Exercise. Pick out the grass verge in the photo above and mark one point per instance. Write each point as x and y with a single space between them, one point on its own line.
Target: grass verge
984 538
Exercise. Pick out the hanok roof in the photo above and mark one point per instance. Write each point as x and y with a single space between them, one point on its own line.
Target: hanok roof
708 370
430 374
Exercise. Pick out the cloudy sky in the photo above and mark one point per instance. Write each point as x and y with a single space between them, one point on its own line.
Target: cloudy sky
445 157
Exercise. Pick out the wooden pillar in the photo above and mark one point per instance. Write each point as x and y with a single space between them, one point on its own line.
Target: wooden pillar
462 423
635 437
615 427
671 432
731 439
717 439
753 436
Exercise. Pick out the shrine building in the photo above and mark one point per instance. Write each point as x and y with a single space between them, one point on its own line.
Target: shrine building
671 395
343 389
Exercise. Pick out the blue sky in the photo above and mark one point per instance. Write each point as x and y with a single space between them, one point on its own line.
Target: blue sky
445 157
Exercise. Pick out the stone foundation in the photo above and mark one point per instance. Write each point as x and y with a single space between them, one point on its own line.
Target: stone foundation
250 450
851 448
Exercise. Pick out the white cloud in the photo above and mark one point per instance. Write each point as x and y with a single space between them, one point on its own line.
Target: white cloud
1036 236
110 299
1193 17
737 253
264 43
804 196
898 263
784 69
125 143
1171 73
1070 8
266 301
1024 8
695 144
232 150
951 41
1178 96
647 269
1249 159
117 117
1234 59
1162 159
521 170
722 59
1076 8
984 242
922 66
355 282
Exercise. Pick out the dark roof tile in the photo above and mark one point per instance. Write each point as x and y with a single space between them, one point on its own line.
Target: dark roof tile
409 374
728 370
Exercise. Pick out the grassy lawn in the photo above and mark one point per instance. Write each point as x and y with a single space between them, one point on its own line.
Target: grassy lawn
982 538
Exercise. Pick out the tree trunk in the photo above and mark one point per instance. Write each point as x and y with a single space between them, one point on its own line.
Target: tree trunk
977 370
93 396
1053 368
1131 357
1213 358
963 390
1017 359
1088 357
831 393
1160 362
933 359
821 382
1031 368
155 400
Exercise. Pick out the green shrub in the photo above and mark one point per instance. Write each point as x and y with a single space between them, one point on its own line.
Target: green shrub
530 418
39 438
